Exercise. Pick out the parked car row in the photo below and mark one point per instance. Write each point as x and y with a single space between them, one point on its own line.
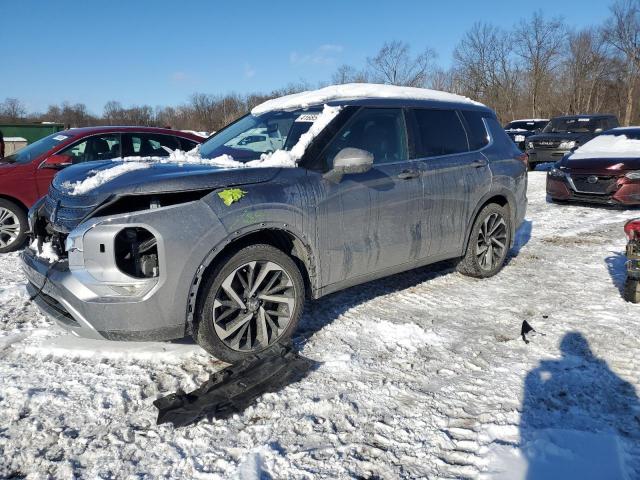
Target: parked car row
386 179
550 140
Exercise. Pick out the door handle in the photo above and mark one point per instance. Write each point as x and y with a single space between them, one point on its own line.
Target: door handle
479 163
407 174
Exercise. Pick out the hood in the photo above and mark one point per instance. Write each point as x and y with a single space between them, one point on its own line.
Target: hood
581 137
159 178
611 166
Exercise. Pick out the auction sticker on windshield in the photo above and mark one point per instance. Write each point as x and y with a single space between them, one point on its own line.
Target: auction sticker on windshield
308 117
60 137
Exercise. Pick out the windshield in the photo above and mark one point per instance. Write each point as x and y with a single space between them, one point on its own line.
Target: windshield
575 125
528 125
251 136
37 148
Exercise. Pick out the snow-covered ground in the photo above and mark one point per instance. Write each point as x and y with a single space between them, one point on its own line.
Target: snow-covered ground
423 374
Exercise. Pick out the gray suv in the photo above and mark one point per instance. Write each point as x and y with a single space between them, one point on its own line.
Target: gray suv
229 254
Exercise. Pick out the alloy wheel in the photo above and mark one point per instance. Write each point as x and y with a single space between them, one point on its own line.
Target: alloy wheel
492 241
9 227
253 306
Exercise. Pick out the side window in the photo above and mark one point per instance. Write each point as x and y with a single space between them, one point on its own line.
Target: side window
439 132
148 145
185 144
476 131
380 131
99 147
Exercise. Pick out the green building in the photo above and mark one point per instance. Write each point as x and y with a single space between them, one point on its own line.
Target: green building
30 131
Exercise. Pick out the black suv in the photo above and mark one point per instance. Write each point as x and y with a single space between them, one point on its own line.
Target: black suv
520 130
563 134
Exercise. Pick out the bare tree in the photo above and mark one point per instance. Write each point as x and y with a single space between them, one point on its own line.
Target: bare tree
622 31
348 74
394 65
587 67
539 43
486 68
12 110
112 112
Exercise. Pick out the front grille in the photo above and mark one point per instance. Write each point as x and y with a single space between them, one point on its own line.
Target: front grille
65 212
602 186
546 144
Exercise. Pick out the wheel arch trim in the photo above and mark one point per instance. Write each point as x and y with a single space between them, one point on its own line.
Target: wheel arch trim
299 241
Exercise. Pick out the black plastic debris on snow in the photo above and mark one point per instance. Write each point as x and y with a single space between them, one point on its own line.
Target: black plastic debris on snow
527 328
234 388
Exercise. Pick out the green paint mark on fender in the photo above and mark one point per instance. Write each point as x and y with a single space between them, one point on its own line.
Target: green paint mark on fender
231 195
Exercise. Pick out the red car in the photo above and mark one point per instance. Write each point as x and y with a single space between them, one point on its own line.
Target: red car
25 176
605 170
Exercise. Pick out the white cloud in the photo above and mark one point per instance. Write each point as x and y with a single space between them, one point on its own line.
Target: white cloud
323 55
249 71
179 76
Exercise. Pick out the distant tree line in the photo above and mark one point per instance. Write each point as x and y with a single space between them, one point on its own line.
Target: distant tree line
541 67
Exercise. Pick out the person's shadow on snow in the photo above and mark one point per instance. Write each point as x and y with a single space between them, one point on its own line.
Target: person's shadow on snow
579 419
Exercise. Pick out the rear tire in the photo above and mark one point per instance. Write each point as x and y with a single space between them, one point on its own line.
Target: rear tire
632 290
489 243
252 301
13 226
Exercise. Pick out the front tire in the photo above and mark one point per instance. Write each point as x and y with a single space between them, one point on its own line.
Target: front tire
488 244
252 301
632 290
13 226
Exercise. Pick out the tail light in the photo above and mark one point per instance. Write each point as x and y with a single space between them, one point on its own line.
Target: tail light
524 158
632 229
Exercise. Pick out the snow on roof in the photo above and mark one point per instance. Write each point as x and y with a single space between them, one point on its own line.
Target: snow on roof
353 91
195 132
608 146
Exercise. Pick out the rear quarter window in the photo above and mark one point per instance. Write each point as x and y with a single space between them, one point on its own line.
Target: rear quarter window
476 131
500 138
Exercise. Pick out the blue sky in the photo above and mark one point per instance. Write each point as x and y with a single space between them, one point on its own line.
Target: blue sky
159 52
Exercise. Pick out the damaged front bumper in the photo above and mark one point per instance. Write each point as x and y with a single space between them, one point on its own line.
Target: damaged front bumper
98 289
71 304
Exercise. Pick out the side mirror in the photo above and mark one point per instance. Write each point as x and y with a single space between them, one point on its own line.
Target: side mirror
349 160
58 162
598 130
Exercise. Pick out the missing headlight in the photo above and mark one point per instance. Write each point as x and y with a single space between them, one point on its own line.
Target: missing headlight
136 252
